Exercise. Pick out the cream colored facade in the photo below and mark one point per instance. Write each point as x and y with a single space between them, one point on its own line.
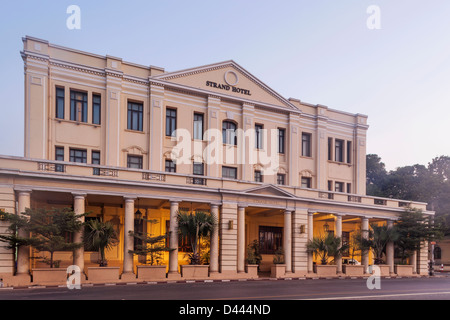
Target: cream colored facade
79 107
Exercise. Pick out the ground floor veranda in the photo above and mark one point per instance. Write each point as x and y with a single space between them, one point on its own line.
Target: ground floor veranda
265 214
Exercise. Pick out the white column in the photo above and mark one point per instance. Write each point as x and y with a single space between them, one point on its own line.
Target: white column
128 242
414 261
214 256
310 237
287 240
338 223
173 240
23 255
390 250
241 240
365 235
79 208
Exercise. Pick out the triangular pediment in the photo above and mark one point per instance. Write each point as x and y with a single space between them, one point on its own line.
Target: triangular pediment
269 190
227 79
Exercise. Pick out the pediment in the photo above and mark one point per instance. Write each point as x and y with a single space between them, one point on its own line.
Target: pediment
229 79
269 190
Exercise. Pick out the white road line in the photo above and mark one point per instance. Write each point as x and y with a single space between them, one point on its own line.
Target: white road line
381 296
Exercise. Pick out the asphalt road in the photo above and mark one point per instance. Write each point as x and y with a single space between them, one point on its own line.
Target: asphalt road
434 288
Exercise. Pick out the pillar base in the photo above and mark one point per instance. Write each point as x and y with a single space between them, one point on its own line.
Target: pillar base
173 276
128 276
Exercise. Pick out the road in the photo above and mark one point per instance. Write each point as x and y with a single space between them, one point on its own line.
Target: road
225 299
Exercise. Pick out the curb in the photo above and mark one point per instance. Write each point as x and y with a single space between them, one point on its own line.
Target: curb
207 281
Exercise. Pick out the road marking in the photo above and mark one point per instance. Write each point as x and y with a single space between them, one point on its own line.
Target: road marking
381 296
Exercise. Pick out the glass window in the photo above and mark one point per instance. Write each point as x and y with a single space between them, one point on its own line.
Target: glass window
306 182
59 103
349 152
96 108
270 239
135 116
339 187
134 162
59 153
229 172
95 157
281 140
258 176
281 179
78 155
339 150
306 144
198 169
198 126
171 166
229 133
330 149
78 106
171 122
258 136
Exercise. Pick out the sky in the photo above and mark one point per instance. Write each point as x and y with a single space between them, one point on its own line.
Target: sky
392 65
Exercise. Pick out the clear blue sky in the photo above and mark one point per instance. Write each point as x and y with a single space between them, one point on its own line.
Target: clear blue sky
319 51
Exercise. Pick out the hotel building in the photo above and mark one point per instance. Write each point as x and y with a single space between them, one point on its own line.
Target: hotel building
111 138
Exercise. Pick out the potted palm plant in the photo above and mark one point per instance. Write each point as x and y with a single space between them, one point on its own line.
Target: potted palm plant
253 259
195 227
101 236
151 249
326 249
278 268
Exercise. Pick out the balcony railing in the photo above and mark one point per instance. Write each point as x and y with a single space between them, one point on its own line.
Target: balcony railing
153 176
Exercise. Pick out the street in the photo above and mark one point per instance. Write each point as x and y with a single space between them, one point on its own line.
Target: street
434 288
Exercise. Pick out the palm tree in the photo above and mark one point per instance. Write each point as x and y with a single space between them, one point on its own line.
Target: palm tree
100 236
195 227
378 238
325 247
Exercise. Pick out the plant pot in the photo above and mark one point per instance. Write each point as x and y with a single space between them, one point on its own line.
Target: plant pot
50 276
403 270
353 270
277 270
384 270
151 273
103 274
194 271
252 271
325 270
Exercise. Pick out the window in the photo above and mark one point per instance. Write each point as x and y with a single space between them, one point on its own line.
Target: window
330 149
437 253
258 136
198 126
229 133
349 152
281 140
59 156
184 245
96 108
339 150
306 182
134 162
95 157
198 169
171 166
59 103
135 116
349 188
229 172
171 122
270 239
258 176
306 144
78 106
78 155
281 179
339 187
330 185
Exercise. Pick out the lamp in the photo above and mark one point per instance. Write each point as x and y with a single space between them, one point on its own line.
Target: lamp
302 229
326 227
138 213
230 224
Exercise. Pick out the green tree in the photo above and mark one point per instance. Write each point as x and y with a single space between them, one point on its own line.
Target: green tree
49 231
376 175
413 228
195 226
150 246
325 247
100 236
377 239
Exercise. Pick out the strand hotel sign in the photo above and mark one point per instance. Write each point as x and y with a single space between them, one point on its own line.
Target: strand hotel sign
231 79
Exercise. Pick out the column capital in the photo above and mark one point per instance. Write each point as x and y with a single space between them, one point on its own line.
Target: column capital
288 211
79 195
25 191
214 205
175 200
129 198
242 206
